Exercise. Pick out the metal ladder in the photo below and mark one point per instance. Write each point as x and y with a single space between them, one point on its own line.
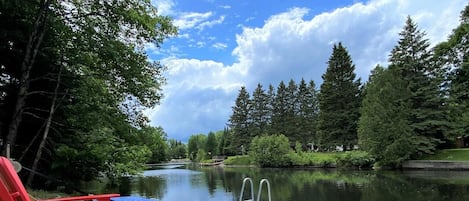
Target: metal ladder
247 179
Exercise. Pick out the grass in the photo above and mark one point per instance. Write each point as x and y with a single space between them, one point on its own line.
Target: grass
238 160
41 194
450 154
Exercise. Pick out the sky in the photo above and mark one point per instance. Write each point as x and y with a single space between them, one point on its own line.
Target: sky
223 45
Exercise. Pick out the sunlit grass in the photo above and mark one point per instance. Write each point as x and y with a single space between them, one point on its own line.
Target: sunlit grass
450 154
41 194
238 160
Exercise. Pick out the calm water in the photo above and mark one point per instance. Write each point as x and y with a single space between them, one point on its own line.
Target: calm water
188 183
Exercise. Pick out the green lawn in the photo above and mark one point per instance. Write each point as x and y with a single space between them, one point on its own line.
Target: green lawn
450 154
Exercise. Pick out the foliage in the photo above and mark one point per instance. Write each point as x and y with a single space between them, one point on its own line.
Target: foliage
177 150
202 155
211 144
196 143
383 129
314 159
240 123
358 159
452 56
270 151
154 138
339 101
107 81
260 111
403 113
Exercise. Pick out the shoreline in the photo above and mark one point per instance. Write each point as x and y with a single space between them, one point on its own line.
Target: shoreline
436 165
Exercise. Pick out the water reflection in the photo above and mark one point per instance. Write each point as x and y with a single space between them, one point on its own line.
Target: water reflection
224 184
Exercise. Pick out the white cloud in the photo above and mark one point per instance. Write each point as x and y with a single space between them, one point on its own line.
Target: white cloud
209 24
199 94
191 19
220 46
165 7
225 6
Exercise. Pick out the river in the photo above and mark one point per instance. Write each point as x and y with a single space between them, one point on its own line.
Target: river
191 183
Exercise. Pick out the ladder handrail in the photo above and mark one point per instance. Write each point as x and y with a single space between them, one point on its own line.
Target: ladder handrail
243 186
252 189
260 189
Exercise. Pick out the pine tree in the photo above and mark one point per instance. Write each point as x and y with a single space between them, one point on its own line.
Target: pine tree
339 101
240 121
259 111
307 111
412 60
279 110
270 108
292 110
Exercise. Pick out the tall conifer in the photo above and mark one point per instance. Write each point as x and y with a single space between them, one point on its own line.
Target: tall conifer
339 101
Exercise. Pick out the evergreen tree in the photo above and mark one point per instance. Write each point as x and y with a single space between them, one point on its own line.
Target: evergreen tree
291 121
452 56
279 110
307 111
412 61
339 101
270 108
240 121
383 128
259 111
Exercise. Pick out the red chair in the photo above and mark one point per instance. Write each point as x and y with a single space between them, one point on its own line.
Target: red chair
12 189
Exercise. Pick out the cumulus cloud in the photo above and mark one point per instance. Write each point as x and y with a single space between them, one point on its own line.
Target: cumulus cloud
199 94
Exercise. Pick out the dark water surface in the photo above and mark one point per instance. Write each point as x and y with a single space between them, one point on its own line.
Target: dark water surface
189 183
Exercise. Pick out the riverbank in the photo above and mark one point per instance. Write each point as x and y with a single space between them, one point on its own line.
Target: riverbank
436 165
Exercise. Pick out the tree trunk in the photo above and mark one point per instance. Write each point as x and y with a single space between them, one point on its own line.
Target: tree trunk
34 41
42 144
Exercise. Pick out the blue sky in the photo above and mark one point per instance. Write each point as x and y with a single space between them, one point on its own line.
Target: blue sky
223 45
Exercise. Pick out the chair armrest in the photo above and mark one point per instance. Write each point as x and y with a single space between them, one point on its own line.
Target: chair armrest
104 197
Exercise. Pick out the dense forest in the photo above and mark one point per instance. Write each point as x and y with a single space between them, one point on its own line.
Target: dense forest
74 80
415 105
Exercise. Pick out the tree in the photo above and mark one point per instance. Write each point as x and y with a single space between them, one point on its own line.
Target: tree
270 151
211 144
177 149
240 121
291 121
452 57
280 109
196 143
307 111
383 128
106 81
412 61
155 139
259 111
339 101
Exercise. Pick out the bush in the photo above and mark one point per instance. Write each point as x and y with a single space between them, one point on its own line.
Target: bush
357 159
270 151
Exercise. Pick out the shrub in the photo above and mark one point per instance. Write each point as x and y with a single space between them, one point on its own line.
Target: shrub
270 151
357 159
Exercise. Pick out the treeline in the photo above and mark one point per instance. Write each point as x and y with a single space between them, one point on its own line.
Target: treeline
415 105
74 81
